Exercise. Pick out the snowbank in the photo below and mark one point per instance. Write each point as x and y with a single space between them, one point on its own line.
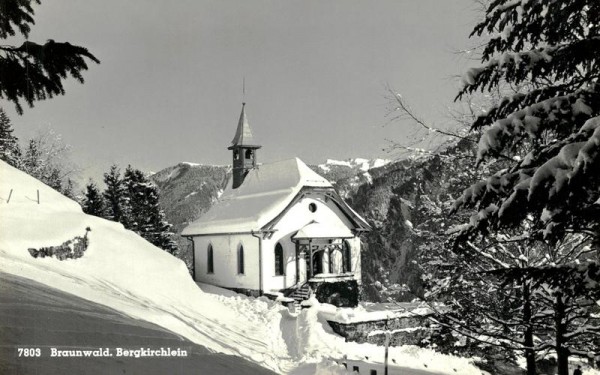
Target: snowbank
318 338
123 271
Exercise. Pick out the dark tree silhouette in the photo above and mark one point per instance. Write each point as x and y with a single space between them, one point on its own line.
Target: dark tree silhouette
31 71
148 218
93 201
118 207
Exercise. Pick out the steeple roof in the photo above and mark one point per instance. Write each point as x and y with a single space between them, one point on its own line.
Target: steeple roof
243 135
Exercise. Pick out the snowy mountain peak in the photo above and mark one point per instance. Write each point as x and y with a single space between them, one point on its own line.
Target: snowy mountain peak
356 163
190 164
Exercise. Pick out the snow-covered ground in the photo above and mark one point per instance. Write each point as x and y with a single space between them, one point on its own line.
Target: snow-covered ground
123 271
33 313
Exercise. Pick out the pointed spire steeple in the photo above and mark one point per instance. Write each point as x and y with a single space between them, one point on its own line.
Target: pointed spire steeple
244 149
243 135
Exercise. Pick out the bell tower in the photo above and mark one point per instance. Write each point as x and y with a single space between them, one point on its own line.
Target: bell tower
244 149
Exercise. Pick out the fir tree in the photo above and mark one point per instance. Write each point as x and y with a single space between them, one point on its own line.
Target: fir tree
158 231
93 201
33 72
32 162
9 144
117 201
550 130
148 219
68 189
134 180
53 179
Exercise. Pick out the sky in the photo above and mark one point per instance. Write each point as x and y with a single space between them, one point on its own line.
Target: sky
169 86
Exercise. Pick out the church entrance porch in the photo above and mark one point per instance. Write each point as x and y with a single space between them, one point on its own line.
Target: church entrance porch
322 259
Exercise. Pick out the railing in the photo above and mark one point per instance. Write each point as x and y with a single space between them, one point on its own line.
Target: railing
332 276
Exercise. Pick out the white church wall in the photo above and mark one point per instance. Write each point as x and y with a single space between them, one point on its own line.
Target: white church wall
271 280
225 263
300 215
225 250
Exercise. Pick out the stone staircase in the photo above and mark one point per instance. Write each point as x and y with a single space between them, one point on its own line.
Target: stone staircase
299 295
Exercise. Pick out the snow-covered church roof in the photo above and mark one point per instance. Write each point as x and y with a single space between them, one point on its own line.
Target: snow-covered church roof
266 192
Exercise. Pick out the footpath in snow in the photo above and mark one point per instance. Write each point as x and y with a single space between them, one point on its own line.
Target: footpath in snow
121 270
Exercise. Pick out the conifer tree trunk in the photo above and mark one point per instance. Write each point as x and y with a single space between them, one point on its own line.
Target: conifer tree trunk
528 335
562 352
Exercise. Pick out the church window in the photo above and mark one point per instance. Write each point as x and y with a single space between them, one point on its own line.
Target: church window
249 154
312 207
236 155
279 260
210 267
346 257
240 260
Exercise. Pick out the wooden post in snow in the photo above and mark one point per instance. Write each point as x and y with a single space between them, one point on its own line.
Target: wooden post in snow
38 195
9 195
387 345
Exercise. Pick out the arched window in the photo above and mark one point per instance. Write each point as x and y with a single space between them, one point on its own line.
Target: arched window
210 267
240 259
346 257
236 155
249 153
279 260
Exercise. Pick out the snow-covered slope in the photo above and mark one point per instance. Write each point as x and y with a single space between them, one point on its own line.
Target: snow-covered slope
123 271
33 313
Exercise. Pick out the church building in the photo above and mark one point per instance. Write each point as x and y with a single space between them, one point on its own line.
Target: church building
278 227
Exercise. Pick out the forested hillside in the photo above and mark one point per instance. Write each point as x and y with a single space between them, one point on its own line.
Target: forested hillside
407 203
